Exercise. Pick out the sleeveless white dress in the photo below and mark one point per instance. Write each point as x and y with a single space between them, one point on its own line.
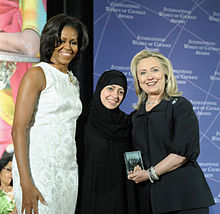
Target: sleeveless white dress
51 144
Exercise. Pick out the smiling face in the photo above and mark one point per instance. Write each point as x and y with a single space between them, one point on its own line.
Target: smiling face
6 174
151 76
66 50
111 96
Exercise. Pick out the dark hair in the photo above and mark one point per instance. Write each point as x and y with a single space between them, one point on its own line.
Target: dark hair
4 162
51 34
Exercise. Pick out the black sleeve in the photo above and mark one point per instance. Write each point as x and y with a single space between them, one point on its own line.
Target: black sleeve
186 130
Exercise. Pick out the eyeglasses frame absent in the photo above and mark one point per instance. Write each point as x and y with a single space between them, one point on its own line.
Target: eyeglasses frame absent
8 169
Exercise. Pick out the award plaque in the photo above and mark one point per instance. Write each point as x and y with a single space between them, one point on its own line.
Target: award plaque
133 159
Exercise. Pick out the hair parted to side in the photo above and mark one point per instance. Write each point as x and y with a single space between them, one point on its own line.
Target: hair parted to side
170 89
4 162
51 34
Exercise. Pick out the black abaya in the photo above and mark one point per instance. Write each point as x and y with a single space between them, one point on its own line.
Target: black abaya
105 188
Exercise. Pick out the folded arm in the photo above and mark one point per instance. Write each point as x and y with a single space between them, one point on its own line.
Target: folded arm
168 164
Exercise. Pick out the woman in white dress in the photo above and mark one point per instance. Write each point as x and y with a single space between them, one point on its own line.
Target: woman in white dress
45 171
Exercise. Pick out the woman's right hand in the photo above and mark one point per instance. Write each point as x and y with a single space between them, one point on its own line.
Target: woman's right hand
32 83
30 197
138 175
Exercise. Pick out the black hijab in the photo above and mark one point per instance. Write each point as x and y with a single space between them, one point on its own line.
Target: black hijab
113 124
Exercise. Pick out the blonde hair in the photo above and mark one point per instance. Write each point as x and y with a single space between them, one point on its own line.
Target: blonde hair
171 88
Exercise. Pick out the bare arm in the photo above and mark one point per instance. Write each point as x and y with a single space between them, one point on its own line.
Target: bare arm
168 164
31 85
26 42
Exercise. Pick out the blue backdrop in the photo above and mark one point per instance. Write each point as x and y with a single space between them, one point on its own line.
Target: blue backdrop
188 33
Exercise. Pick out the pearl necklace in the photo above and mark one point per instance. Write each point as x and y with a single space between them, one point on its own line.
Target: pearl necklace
151 103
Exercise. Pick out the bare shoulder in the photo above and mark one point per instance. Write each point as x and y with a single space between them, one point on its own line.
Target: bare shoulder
35 77
35 71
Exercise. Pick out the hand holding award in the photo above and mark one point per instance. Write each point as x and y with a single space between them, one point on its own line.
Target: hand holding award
132 160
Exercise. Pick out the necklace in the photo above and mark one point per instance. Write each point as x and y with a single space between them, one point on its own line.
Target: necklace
151 103
72 79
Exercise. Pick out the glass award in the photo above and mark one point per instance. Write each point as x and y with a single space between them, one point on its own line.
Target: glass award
133 159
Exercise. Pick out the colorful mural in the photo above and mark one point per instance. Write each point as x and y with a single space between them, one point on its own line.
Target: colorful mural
21 23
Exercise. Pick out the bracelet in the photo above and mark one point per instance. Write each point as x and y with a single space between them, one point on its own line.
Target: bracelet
150 176
153 176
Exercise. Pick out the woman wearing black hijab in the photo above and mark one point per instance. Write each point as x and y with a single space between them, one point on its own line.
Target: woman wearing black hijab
105 188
